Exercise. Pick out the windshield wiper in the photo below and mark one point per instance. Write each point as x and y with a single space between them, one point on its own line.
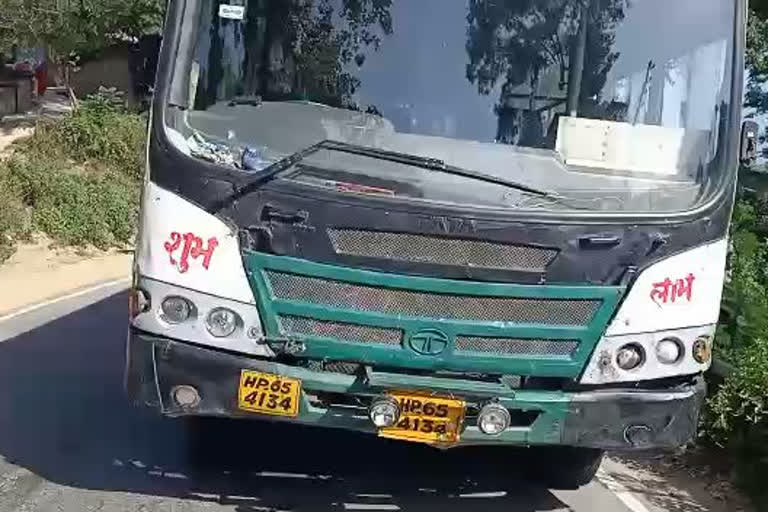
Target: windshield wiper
254 101
428 163
432 164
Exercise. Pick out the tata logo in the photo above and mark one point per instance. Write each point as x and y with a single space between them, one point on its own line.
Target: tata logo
429 342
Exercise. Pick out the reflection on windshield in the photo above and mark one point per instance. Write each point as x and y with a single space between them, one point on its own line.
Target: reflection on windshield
605 94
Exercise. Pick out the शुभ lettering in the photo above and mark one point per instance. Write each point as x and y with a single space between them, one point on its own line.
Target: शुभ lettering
191 246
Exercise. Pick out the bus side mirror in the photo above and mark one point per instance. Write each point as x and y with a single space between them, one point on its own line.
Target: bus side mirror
749 136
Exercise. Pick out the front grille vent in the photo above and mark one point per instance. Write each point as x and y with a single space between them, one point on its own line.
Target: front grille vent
440 251
516 347
342 295
353 333
334 367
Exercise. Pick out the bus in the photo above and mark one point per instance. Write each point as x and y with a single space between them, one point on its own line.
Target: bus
451 222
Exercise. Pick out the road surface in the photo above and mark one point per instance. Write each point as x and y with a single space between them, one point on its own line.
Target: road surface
70 442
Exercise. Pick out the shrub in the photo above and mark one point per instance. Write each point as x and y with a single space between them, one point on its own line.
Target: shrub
737 418
101 132
75 206
76 179
745 297
14 220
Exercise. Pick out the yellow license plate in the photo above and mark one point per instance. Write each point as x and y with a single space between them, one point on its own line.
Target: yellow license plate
427 419
266 393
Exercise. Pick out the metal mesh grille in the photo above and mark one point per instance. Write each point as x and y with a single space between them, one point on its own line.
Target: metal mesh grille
517 347
297 325
334 367
432 305
440 251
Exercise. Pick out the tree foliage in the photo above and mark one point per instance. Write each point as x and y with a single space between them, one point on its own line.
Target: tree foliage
515 42
76 27
303 52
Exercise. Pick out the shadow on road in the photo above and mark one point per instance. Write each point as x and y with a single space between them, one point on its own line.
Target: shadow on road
63 416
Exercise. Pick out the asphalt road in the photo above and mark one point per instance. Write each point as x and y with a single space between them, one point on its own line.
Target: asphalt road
70 442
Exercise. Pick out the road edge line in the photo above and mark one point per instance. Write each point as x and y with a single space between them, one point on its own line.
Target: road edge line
61 298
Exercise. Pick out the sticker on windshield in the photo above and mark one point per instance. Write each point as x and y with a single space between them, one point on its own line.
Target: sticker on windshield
232 12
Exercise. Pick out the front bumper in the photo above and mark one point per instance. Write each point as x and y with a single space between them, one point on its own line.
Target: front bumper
596 419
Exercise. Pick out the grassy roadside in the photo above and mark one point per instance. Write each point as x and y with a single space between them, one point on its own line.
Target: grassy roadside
76 179
735 419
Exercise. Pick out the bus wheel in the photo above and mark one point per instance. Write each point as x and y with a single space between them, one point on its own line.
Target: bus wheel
566 467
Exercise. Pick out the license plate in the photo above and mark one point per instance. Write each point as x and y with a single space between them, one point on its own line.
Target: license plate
266 393
427 419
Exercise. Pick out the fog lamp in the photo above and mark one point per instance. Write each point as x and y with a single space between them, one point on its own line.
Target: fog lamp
702 351
176 309
221 322
669 351
185 396
630 357
493 419
384 412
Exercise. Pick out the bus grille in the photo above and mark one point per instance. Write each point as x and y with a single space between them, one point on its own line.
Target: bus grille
300 326
342 295
516 347
440 251
334 367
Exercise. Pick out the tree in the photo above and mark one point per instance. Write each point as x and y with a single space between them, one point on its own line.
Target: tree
517 41
756 57
293 49
76 27
756 62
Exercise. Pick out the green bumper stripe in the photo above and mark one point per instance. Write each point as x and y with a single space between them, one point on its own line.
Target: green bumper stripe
319 347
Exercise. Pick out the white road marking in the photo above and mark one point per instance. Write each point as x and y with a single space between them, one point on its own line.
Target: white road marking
366 506
63 298
621 492
498 494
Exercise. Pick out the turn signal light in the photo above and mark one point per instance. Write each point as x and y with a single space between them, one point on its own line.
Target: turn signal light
138 302
702 350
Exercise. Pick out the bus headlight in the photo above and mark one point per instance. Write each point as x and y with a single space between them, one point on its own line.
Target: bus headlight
650 355
669 351
222 322
630 356
176 309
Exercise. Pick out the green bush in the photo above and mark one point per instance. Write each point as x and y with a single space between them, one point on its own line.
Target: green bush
76 179
745 297
736 418
101 132
14 219
77 207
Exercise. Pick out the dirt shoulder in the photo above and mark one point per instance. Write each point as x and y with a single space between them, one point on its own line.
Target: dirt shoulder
37 272
689 481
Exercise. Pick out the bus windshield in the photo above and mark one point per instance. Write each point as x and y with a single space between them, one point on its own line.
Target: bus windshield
605 105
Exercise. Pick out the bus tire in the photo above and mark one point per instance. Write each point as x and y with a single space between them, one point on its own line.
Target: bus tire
566 467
